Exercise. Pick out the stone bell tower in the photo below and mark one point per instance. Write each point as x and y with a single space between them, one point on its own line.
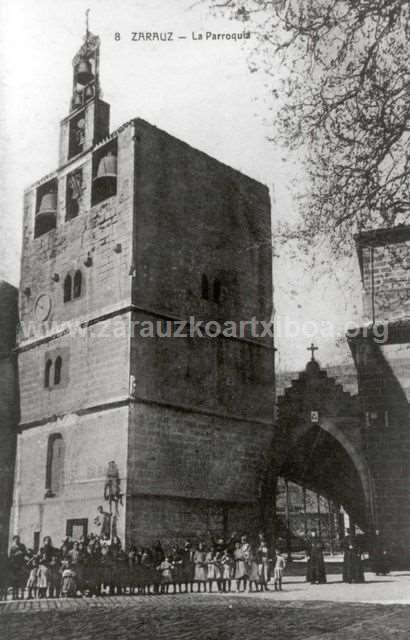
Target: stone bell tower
136 229
74 373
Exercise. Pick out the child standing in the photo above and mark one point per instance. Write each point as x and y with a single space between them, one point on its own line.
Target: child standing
228 565
43 578
211 568
31 585
69 583
280 564
240 567
165 569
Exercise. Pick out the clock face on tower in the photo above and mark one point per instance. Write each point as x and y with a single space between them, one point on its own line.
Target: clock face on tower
42 307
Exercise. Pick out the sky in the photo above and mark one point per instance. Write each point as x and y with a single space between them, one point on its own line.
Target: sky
200 91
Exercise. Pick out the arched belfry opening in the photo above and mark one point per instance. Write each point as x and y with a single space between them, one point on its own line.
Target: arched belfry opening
320 475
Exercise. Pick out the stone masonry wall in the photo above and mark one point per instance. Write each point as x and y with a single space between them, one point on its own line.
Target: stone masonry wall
196 216
91 441
95 371
95 231
384 374
8 403
391 264
203 413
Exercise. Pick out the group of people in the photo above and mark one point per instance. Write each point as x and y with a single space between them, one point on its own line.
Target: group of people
98 565
353 570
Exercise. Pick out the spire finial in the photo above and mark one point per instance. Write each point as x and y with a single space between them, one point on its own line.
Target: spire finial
87 29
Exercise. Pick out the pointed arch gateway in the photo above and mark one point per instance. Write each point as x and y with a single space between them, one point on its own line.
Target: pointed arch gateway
318 444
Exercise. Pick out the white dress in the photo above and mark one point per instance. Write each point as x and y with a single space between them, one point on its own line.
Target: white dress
200 573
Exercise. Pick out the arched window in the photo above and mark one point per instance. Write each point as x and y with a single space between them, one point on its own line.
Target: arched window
55 465
47 371
205 287
57 370
67 288
217 290
77 284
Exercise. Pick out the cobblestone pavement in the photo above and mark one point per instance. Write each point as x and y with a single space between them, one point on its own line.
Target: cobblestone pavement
213 617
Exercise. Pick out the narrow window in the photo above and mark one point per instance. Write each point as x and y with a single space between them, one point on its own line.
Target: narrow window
57 370
205 287
55 465
67 288
36 541
47 371
217 290
77 284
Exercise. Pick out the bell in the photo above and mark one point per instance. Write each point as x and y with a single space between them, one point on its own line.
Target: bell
107 167
48 205
84 71
46 216
89 92
77 101
105 182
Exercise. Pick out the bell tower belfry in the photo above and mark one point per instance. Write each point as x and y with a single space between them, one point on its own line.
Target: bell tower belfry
89 119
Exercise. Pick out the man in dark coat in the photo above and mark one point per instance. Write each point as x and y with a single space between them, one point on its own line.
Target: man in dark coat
17 567
352 562
316 572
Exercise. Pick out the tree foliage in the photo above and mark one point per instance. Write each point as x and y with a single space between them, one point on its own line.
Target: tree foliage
344 106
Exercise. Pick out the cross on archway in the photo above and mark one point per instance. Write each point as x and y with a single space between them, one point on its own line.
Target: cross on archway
312 349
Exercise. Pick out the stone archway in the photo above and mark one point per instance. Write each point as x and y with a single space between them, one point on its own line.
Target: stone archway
318 462
318 444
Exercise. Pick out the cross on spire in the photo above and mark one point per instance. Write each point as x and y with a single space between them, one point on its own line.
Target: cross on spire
312 350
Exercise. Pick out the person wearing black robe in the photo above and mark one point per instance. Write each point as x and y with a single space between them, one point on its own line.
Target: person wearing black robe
379 555
17 567
352 562
316 572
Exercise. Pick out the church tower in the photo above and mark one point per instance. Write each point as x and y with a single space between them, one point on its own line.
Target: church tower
133 235
75 287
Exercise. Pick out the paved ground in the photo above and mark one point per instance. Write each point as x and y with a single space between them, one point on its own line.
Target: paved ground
326 612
